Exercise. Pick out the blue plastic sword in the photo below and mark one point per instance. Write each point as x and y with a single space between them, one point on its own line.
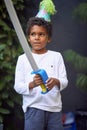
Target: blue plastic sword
24 44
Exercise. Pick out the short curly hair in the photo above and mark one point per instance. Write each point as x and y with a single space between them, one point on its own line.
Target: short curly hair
40 22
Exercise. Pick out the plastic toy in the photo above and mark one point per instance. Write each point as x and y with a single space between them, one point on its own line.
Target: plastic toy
44 77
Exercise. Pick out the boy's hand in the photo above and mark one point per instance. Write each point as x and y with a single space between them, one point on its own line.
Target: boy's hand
37 80
51 82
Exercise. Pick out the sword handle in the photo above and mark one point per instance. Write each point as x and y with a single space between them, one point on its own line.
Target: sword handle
44 89
44 77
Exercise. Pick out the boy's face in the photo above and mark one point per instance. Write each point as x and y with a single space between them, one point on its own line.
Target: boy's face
38 39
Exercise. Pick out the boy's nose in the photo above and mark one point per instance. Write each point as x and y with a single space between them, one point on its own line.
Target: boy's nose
37 36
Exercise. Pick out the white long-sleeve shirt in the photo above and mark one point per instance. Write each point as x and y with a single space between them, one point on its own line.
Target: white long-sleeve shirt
52 62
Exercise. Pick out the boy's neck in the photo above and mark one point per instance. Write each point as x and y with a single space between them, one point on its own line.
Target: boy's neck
39 52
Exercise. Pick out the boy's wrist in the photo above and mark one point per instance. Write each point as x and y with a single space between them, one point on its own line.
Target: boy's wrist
57 83
32 85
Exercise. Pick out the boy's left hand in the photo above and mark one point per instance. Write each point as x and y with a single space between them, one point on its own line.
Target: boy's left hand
51 82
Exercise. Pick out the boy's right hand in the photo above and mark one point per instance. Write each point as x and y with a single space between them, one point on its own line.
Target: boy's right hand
37 80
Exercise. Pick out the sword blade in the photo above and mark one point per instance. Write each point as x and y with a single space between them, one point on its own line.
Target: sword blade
20 33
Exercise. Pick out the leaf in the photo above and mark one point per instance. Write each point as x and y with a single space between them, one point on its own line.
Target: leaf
0 103
4 111
1 56
2 36
82 81
1 86
80 12
1 118
79 62
4 25
10 103
2 46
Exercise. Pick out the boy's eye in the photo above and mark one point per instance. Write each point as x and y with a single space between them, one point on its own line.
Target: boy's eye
42 34
39 34
33 34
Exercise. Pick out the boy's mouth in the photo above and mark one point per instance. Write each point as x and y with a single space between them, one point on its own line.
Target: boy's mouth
36 43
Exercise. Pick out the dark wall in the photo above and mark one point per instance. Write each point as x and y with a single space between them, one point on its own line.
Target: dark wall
67 34
70 34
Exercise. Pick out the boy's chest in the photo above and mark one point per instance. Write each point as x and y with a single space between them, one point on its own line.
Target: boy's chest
49 65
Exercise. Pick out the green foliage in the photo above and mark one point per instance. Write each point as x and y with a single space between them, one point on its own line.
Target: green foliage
80 12
80 64
81 81
9 51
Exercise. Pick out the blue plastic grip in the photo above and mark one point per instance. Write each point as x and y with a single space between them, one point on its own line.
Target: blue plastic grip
44 77
42 73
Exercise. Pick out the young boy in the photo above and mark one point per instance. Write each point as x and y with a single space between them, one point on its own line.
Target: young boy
42 111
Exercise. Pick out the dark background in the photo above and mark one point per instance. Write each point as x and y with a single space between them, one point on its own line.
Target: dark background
68 33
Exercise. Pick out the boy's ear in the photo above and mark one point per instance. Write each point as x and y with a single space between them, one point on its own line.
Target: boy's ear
49 39
28 39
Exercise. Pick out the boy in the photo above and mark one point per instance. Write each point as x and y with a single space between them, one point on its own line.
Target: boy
42 111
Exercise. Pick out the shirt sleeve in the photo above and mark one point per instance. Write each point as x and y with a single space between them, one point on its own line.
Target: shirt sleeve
20 85
62 73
